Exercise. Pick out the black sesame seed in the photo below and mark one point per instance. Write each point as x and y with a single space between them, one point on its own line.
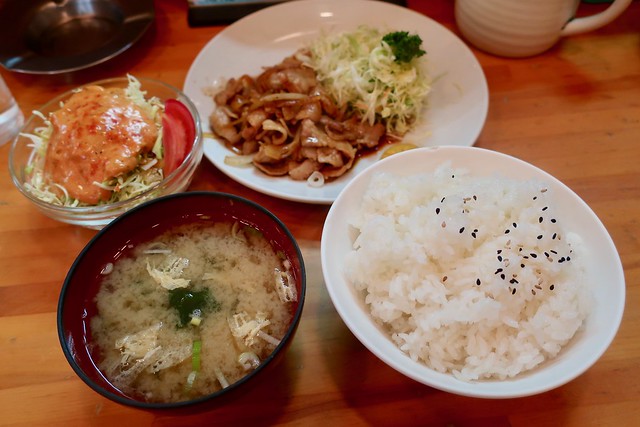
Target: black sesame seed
515 225
535 197
554 236
444 279
513 281
522 265
498 271
437 211
545 208
442 200
507 231
473 234
513 291
539 237
461 230
561 260
540 220
553 220
568 258
546 254
499 251
525 257
500 258
478 282
475 198
553 252
502 276
552 287
533 255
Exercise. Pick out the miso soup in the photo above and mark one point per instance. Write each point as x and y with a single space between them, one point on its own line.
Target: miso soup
192 311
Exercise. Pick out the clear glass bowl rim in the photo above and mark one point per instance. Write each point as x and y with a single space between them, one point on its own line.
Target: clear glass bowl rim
123 204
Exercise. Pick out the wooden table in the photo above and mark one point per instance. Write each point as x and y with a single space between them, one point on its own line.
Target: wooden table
573 111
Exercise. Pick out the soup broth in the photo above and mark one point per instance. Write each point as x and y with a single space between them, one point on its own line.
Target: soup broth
191 311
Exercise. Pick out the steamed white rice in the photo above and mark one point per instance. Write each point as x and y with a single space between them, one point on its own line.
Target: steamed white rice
472 276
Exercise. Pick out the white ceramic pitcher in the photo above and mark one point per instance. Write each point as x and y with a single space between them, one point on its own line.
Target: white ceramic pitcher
519 28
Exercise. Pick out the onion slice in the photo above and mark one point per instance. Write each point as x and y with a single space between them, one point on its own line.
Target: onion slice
316 179
238 160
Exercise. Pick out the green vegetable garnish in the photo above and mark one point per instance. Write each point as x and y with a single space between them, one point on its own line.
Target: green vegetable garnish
405 47
195 356
191 303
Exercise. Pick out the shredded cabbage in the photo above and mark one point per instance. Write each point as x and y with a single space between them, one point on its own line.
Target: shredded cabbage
142 178
359 70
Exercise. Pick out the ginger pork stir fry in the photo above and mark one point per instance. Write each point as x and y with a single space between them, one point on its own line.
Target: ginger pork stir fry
289 126
310 116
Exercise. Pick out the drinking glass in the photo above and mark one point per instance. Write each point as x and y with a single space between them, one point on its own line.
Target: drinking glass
11 117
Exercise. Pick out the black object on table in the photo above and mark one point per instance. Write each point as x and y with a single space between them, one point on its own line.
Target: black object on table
221 12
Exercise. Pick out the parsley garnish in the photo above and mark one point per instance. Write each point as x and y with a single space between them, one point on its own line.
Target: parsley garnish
405 47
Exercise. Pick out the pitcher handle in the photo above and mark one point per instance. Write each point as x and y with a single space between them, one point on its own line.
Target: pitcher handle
588 23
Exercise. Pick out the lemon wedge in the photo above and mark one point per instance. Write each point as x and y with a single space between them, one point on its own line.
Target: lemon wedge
397 148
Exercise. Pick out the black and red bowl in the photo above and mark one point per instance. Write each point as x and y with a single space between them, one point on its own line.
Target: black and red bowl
76 304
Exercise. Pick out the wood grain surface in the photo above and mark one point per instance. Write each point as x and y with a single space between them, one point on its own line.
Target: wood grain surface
573 111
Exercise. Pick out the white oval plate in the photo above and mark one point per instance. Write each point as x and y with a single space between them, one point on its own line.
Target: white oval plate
604 272
458 103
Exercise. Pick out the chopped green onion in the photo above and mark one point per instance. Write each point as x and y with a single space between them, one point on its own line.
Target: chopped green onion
221 378
195 319
248 360
191 379
195 355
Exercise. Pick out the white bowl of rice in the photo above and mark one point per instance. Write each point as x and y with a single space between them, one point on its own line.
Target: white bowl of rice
472 272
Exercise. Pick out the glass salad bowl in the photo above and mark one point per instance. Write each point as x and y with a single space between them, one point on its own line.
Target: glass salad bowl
167 168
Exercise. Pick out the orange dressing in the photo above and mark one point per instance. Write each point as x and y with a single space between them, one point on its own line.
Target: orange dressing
97 135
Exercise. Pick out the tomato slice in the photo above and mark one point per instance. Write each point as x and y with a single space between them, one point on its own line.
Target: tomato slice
178 134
